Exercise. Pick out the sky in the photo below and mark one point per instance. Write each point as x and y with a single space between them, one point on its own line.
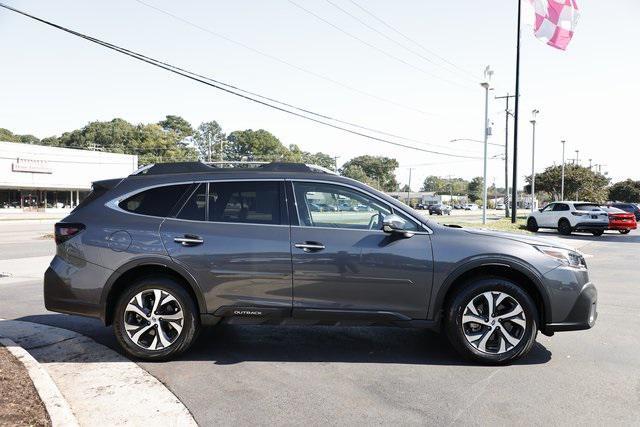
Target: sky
51 82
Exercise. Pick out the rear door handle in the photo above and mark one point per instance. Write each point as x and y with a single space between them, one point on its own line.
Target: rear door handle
309 247
189 240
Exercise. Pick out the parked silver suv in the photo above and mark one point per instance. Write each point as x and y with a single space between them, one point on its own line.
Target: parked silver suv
177 246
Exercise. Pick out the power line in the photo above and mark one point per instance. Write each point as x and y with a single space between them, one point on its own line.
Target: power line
386 24
391 39
282 61
223 86
374 47
304 110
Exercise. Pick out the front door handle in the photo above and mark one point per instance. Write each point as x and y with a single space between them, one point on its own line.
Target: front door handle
309 246
189 240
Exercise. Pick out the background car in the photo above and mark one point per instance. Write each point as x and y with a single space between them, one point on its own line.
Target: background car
620 220
628 207
500 206
568 217
471 207
440 210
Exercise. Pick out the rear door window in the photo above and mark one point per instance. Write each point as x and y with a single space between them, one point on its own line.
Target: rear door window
157 201
251 202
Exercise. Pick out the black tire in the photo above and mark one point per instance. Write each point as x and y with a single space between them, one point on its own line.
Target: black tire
190 321
532 225
597 233
627 231
564 227
474 289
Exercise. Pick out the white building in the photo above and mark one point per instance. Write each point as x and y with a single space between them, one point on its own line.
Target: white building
37 177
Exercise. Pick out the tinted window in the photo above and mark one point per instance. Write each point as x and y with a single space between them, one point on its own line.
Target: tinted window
156 201
335 206
560 207
627 208
587 207
245 201
195 207
549 208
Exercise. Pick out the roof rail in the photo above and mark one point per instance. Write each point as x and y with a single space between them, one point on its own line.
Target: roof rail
190 167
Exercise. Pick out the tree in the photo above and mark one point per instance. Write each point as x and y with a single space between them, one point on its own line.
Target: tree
210 141
625 191
178 125
579 182
434 183
378 170
476 189
258 145
8 136
320 159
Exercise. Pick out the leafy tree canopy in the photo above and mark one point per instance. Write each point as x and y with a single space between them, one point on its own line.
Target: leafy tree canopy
8 136
178 125
579 183
378 170
625 191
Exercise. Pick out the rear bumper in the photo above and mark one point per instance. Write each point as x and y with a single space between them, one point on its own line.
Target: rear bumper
591 226
622 226
582 315
72 286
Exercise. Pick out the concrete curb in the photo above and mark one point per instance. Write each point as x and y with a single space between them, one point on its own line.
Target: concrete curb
58 408
101 386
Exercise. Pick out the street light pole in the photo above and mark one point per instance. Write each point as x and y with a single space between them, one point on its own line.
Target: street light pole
562 182
485 85
506 153
577 158
409 189
533 161
514 181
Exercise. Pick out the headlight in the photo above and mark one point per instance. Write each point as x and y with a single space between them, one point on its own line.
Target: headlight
565 256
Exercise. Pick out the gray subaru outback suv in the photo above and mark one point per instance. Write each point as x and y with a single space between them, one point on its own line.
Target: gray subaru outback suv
176 246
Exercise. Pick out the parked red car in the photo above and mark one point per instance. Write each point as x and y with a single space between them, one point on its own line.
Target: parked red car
620 220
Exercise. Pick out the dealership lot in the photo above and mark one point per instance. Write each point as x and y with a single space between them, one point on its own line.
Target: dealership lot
347 375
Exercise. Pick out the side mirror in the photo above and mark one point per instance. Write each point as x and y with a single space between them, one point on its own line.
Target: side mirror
395 224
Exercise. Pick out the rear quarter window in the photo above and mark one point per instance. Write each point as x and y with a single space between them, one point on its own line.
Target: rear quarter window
158 201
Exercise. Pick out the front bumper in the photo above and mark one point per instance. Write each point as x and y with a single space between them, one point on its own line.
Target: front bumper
582 315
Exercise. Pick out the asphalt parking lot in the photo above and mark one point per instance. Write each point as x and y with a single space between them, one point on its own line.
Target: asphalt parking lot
238 375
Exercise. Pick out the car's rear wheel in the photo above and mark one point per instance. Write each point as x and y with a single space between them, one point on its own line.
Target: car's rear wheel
597 232
155 319
624 231
532 225
492 320
564 227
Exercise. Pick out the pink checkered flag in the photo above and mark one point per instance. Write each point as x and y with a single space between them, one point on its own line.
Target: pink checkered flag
555 21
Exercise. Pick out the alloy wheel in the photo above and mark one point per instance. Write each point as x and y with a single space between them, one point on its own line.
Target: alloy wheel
493 322
153 319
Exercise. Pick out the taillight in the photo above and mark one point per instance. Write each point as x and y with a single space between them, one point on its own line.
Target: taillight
64 231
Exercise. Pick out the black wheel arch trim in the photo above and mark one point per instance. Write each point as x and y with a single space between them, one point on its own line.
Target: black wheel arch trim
157 260
491 261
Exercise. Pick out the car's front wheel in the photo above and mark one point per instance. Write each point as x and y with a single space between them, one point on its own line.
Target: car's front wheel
155 319
532 225
492 320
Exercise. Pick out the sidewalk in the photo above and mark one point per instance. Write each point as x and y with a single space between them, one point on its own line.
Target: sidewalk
102 388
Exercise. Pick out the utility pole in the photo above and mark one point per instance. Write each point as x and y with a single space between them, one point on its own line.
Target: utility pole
487 76
533 161
221 149
590 166
506 152
335 162
577 158
562 182
514 190
409 189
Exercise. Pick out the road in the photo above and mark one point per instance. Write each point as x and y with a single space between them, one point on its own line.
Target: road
238 375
